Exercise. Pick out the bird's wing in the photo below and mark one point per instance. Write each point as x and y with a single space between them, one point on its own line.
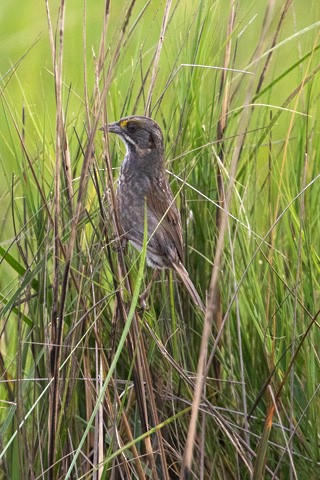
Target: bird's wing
162 206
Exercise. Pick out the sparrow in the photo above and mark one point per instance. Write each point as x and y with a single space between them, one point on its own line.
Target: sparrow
144 187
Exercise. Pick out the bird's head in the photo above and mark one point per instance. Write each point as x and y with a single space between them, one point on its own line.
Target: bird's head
141 135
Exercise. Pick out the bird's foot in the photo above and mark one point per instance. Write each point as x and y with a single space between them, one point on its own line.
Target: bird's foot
119 244
142 300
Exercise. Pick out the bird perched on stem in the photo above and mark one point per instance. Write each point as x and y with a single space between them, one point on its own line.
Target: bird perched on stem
143 183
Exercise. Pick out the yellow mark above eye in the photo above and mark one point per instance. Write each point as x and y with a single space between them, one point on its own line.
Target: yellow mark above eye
123 123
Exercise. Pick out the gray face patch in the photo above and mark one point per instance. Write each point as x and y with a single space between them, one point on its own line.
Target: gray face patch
126 140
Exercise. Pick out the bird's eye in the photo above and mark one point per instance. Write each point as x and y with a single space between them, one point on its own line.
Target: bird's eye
131 127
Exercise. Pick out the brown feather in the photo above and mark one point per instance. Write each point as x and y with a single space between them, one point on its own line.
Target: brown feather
161 203
183 274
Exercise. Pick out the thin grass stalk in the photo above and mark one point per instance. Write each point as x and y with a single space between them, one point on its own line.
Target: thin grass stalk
175 70
284 157
136 339
117 292
56 318
124 335
141 92
98 444
285 73
136 22
142 377
85 69
90 401
295 311
157 56
202 469
141 373
89 147
45 204
269 180
293 472
46 388
236 440
99 440
23 255
263 239
284 12
127 428
18 394
72 368
211 306
224 97
247 428
297 92
256 58
262 446
260 462
103 37
303 413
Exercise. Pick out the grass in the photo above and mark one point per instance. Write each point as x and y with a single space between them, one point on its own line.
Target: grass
91 386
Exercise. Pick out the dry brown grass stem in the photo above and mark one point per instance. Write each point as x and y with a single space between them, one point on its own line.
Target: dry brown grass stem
211 298
57 314
157 56
224 96
142 376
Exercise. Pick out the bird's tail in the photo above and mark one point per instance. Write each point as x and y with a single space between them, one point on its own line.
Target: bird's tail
183 274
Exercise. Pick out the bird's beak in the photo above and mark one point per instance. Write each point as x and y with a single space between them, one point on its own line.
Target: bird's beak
112 128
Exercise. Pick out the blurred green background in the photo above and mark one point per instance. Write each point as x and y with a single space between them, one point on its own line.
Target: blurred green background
27 81
24 27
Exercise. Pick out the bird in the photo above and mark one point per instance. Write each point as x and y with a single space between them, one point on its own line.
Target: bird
144 186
